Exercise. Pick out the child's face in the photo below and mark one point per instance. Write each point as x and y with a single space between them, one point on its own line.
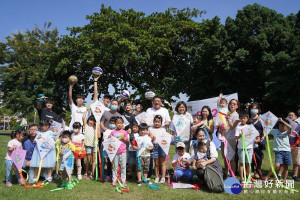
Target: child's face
119 124
157 123
143 132
20 137
45 128
196 120
91 123
65 138
203 149
180 151
135 128
282 127
223 104
243 120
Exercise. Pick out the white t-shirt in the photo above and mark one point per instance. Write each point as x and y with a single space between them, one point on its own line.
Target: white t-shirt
77 139
151 112
76 113
182 165
250 133
144 142
130 145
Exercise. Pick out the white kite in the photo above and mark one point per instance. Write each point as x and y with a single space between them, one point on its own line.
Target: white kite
111 146
164 141
268 121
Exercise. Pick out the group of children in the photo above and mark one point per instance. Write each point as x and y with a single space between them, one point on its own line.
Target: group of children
141 140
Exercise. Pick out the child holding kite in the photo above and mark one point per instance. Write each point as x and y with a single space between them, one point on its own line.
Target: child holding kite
143 144
78 141
17 137
246 136
90 141
66 158
282 147
120 157
47 145
158 153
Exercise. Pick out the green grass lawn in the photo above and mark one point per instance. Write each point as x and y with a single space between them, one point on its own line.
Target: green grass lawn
88 189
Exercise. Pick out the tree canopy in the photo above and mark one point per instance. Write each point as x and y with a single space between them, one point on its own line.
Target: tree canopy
257 54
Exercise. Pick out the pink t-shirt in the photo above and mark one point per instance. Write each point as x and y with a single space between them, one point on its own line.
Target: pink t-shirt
12 143
120 134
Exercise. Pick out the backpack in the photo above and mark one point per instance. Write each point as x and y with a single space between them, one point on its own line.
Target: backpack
213 175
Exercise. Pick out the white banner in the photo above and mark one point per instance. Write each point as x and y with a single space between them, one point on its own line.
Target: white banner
195 107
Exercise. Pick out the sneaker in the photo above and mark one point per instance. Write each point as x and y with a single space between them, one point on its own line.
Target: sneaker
86 176
296 179
63 183
114 183
162 180
79 177
34 180
124 183
139 183
8 184
279 177
49 179
107 179
156 180
149 182
56 176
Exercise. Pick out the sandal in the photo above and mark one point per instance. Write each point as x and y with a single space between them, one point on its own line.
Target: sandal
86 176
91 176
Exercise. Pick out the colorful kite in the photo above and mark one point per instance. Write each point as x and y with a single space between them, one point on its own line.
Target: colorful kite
111 147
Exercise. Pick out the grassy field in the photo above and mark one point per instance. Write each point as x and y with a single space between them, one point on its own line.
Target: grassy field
88 189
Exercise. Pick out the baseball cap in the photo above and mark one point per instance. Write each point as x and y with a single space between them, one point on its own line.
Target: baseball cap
180 144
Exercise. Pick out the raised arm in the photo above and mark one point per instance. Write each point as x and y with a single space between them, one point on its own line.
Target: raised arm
286 124
84 118
95 97
70 100
219 99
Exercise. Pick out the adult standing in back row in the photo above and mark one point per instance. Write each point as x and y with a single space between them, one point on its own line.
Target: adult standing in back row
158 110
46 113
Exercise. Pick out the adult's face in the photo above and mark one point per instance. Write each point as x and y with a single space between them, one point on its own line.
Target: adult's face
32 131
106 101
139 107
128 107
205 113
49 105
201 136
292 116
233 105
181 109
157 103
79 102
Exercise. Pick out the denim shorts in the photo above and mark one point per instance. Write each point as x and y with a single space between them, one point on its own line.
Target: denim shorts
158 152
283 157
89 150
240 154
131 158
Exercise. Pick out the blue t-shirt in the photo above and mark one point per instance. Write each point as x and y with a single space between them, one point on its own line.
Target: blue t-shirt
281 140
29 147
